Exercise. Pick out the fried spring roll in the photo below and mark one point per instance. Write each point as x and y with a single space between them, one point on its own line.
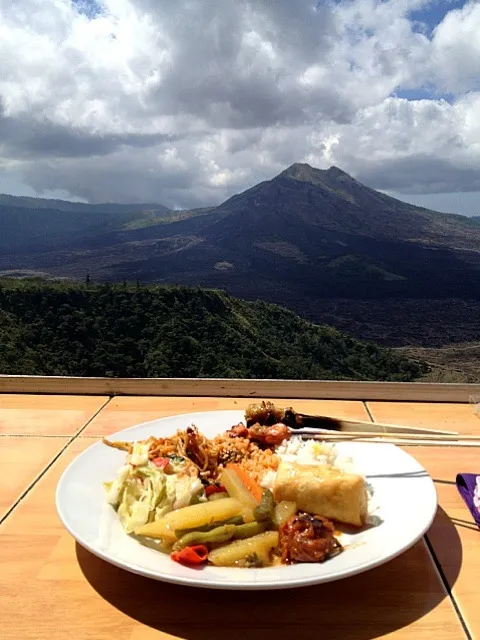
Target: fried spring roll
324 491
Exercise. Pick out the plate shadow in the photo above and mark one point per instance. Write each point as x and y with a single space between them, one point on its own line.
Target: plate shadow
362 607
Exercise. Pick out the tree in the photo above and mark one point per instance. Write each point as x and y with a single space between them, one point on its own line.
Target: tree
64 328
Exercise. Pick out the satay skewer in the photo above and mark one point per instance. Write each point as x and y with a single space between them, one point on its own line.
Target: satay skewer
267 413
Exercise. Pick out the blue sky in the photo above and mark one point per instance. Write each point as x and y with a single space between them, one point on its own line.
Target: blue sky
186 103
425 19
89 8
432 13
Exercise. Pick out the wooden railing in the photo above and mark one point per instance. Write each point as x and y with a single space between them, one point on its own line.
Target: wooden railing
321 389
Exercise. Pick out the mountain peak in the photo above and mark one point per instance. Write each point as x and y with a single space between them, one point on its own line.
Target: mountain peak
298 171
303 172
336 172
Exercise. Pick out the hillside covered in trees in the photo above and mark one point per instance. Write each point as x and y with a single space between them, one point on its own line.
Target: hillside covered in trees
124 330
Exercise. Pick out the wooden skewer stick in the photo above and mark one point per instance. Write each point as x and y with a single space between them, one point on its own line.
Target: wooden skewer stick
405 442
399 436
266 413
348 426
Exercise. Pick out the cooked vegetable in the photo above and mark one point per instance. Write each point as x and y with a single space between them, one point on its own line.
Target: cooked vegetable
236 552
253 562
283 511
191 555
139 453
219 534
252 486
196 499
238 520
136 493
241 486
160 462
157 545
212 489
191 517
249 530
218 496
264 511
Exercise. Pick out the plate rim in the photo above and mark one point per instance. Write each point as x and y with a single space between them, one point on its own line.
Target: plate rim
253 585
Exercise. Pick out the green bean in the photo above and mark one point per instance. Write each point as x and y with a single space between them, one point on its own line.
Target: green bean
151 543
249 530
179 533
264 511
219 534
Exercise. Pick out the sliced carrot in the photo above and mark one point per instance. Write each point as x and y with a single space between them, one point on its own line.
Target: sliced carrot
252 485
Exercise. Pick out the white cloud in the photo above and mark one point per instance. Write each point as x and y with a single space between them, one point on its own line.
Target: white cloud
187 102
456 50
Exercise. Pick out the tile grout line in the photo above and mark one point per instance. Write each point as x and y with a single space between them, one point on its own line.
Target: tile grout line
52 462
446 586
80 431
367 409
436 562
34 435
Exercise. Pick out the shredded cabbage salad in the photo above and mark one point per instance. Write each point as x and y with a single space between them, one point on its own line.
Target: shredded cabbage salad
144 491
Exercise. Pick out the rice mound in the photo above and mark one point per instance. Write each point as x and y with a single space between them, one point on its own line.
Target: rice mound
308 452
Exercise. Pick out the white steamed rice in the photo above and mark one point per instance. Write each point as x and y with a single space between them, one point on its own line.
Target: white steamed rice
310 452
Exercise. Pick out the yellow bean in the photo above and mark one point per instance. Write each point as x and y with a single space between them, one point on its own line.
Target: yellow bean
190 517
283 511
236 552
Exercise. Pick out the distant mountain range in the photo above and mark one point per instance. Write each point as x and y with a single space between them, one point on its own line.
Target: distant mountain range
305 228
305 237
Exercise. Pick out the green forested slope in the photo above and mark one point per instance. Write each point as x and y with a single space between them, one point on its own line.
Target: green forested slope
59 328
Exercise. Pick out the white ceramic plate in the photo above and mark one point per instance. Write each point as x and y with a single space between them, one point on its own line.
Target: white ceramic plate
404 493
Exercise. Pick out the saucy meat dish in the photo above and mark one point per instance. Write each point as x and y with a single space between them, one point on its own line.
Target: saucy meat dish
307 538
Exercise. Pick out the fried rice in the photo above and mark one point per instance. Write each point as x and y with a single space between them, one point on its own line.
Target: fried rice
207 457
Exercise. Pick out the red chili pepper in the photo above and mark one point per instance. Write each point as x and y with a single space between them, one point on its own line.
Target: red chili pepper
214 488
162 463
197 554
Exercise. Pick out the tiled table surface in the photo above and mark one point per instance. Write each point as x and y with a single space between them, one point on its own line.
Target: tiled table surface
52 588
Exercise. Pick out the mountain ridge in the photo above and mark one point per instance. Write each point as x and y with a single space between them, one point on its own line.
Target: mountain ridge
29 202
316 241
130 330
305 234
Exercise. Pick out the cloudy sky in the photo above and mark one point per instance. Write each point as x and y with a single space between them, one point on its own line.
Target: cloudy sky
185 102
